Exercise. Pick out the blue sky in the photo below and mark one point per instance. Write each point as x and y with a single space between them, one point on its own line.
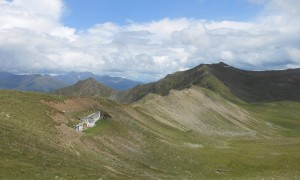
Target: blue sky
84 14
147 39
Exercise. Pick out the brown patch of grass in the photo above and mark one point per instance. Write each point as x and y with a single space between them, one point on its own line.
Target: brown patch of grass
72 105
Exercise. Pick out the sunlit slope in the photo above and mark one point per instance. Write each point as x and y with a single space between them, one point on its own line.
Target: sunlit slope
38 140
32 143
246 139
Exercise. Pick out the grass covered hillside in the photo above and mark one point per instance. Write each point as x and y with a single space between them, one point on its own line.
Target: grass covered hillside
200 75
89 87
259 86
194 133
230 82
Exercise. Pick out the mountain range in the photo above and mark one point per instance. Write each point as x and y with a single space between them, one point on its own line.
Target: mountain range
35 82
250 86
47 83
118 83
213 121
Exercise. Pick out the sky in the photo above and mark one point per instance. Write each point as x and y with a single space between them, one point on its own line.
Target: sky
147 39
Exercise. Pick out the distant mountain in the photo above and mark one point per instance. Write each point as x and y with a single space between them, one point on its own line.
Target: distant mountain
250 86
227 81
9 81
36 82
117 83
46 83
88 87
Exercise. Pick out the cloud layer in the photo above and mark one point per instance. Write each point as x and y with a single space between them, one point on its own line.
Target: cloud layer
33 39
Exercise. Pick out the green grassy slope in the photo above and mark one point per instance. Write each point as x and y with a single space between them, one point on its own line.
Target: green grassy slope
31 145
285 114
89 87
205 137
259 86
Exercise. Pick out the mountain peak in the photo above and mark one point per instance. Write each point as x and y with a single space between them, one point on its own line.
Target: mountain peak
87 87
109 81
90 80
223 64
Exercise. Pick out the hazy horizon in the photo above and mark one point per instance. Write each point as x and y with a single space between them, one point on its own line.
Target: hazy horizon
146 40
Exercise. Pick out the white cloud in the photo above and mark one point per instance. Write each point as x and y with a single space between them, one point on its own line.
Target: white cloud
51 8
283 6
32 39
